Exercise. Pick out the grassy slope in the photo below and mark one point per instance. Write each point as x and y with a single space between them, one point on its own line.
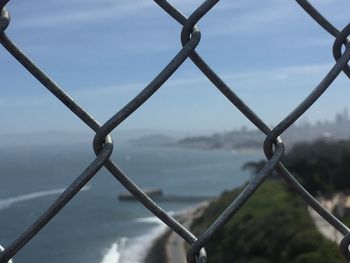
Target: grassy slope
346 219
273 227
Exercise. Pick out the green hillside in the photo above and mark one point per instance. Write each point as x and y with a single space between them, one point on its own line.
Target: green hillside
273 227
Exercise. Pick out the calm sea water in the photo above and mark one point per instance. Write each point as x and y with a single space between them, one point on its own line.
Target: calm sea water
95 227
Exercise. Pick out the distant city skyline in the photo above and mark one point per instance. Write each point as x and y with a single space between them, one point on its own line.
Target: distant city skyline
253 139
102 53
336 128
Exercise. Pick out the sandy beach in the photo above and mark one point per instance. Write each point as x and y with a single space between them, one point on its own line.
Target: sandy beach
170 247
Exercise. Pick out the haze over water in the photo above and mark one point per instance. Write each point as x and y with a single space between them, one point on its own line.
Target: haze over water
95 227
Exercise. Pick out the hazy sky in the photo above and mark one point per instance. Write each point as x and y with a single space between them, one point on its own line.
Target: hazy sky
103 52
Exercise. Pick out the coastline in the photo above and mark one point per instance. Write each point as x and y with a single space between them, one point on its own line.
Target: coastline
169 247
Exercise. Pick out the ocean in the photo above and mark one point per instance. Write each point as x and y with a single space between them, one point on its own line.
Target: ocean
95 227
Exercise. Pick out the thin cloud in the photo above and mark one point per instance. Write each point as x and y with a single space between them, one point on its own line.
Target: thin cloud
96 12
256 18
280 74
107 10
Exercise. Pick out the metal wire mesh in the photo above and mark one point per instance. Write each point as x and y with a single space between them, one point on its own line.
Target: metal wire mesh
103 145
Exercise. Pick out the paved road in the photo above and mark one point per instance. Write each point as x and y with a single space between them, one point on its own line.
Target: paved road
175 245
323 226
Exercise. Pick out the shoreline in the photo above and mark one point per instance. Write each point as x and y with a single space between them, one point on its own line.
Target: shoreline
169 247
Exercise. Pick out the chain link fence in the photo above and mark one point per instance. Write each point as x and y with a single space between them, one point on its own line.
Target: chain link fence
103 145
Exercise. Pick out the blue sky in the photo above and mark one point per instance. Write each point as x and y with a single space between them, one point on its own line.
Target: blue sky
104 52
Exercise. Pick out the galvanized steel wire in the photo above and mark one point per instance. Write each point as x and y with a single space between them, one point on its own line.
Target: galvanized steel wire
103 144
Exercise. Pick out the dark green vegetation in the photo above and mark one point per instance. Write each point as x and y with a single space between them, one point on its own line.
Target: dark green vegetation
273 227
321 167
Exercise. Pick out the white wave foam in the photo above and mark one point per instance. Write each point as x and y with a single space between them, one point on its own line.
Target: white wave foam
8 202
150 219
134 250
112 254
